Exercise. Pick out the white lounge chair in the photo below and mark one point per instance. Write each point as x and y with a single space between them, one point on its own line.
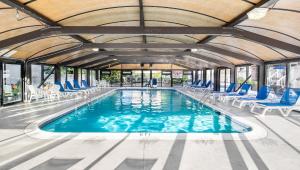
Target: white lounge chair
289 102
241 93
34 93
262 95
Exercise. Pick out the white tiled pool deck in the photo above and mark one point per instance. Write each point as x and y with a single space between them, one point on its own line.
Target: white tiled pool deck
279 149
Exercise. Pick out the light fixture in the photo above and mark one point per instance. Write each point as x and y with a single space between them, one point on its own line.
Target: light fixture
194 50
257 13
95 49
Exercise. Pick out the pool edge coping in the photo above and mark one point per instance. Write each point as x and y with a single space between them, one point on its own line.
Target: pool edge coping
33 129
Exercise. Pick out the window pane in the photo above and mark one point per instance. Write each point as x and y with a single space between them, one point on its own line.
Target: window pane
210 76
115 78
166 78
84 74
156 74
200 75
79 76
12 83
63 75
127 78
254 77
92 78
177 77
187 77
222 80
241 75
70 75
137 78
146 77
36 75
105 75
228 77
294 76
276 77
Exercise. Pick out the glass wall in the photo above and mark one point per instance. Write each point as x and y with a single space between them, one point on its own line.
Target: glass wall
79 76
156 74
115 78
93 78
126 78
253 71
41 72
177 77
243 72
294 76
63 75
70 75
84 74
49 70
136 78
187 77
241 75
12 83
36 75
210 76
146 77
132 78
224 79
276 77
200 74
105 75
166 78
228 78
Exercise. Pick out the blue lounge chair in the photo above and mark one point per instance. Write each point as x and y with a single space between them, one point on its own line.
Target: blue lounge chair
288 102
195 83
207 84
154 82
262 94
199 84
229 89
242 92
62 89
216 94
77 86
70 87
204 86
85 84
65 91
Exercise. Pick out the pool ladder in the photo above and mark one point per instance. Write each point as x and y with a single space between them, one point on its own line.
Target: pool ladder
205 97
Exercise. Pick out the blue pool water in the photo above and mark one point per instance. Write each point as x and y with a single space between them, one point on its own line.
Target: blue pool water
157 111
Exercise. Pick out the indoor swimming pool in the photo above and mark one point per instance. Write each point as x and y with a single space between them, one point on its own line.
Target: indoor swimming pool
141 110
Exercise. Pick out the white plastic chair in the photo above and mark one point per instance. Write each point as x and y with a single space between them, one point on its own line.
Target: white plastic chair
34 93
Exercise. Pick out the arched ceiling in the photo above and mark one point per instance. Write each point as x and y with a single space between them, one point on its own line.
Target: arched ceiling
280 23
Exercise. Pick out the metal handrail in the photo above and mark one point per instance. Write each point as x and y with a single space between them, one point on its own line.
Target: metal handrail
243 83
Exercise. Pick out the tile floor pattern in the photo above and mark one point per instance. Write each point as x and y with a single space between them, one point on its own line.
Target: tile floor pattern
279 150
